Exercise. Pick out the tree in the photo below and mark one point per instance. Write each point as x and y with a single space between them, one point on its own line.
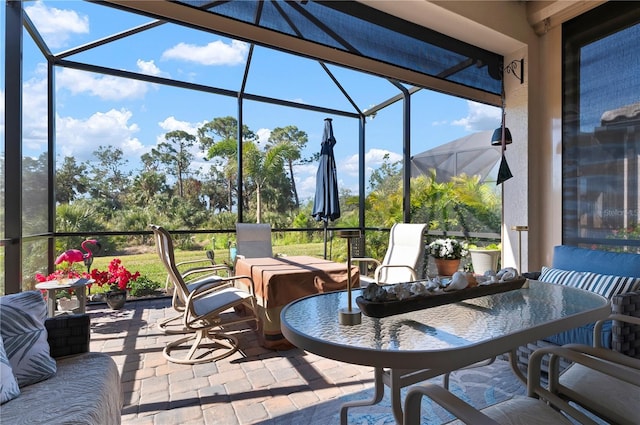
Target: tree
71 180
110 182
259 166
214 188
226 148
34 194
175 155
292 141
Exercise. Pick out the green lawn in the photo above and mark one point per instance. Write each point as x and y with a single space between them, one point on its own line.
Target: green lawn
148 264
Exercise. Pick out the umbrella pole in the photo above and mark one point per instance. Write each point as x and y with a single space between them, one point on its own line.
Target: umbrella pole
325 239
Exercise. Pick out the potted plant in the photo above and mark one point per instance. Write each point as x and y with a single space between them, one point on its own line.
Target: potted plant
447 254
117 278
484 259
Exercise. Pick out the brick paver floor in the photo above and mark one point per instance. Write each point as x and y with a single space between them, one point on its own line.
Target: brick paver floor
252 386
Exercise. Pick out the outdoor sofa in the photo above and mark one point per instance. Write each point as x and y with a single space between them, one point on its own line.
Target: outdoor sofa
615 275
74 386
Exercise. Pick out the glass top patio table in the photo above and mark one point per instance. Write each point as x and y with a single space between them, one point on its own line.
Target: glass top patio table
446 337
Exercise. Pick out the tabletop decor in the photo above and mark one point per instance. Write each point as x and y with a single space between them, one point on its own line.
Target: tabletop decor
117 278
447 254
388 300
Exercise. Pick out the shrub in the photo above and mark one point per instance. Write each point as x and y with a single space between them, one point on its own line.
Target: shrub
143 286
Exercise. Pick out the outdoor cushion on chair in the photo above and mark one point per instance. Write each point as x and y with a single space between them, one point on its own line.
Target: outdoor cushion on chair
516 411
529 410
587 387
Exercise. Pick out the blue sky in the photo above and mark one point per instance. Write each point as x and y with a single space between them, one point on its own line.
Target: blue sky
94 109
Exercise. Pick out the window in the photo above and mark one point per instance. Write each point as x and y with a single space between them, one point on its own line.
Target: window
601 128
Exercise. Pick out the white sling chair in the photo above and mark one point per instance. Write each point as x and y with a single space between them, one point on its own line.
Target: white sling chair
404 259
253 240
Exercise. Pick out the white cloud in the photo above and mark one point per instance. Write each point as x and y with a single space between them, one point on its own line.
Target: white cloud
34 109
150 68
263 136
479 117
214 53
81 137
373 160
305 175
105 87
57 25
173 124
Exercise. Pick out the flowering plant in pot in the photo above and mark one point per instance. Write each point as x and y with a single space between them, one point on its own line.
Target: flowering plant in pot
447 249
117 278
447 253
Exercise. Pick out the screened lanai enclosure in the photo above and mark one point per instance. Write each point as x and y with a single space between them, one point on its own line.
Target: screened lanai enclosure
199 114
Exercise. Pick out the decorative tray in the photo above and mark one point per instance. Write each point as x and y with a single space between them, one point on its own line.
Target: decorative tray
390 308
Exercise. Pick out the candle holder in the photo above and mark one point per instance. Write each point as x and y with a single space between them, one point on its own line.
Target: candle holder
350 315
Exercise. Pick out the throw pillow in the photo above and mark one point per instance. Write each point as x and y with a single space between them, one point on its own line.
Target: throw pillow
608 285
601 284
8 385
25 337
562 277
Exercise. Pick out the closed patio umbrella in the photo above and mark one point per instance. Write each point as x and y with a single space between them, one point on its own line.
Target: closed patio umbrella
326 205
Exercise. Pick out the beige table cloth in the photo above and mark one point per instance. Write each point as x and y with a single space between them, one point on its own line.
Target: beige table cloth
278 281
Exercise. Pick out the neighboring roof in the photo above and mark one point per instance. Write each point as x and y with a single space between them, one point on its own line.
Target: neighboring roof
471 155
623 114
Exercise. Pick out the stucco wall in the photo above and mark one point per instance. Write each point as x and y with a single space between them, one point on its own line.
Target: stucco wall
534 115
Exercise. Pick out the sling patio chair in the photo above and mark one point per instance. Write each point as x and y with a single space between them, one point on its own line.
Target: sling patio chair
612 377
208 310
404 259
199 272
253 240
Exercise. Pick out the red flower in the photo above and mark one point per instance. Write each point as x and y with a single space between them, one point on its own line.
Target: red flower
116 276
64 273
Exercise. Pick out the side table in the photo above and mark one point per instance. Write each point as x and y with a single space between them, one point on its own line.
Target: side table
53 286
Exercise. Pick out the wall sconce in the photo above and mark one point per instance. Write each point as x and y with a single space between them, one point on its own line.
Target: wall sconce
502 136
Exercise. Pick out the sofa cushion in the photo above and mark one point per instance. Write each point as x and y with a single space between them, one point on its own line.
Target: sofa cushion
583 335
85 390
8 385
590 260
25 337
605 285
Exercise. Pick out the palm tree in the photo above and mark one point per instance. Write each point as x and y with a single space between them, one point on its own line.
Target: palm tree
292 142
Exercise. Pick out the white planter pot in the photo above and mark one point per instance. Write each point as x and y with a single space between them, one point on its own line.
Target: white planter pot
68 304
484 260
